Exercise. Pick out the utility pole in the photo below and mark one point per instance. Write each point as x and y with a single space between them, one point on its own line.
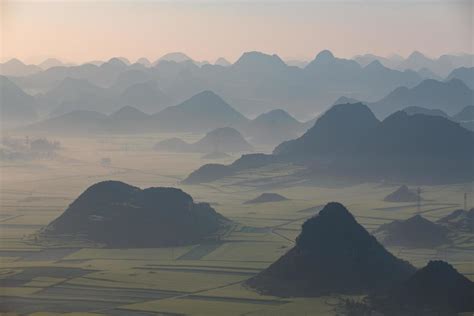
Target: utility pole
465 201
418 202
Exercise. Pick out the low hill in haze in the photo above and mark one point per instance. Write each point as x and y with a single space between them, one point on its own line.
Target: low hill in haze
224 139
202 112
450 96
337 131
466 114
402 194
415 232
420 110
349 143
436 289
120 215
17 68
333 255
267 197
466 74
459 221
274 127
15 105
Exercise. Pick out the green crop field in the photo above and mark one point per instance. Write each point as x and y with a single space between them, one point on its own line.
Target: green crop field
61 278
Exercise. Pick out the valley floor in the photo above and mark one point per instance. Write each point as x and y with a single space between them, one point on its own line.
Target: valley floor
204 279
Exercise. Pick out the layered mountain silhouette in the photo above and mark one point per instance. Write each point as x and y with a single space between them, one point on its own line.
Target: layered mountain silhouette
402 194
416 61
176 57
254 84
421 110
459 221
128 113
216 156
419 148
75 95
224 139
450 96
72 123
436 289
221 61
426 73
144 61
464 74
336 132
465 115
390 62
333 255
348 142
129 78
273 127
15 105
17 68
50 63
146 96
211 172
415 232
120 215
267 197
201 112
102 75
345 100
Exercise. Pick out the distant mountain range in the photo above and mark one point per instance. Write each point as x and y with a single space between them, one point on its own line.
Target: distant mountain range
17 68
450 96
465 74
274 127
348 142
465 117
219 140
416 61
336 132
202 112
255 83
15 105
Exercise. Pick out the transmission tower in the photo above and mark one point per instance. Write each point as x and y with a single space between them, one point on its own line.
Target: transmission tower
465 201
418 200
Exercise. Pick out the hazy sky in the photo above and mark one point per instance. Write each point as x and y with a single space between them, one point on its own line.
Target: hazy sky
80 30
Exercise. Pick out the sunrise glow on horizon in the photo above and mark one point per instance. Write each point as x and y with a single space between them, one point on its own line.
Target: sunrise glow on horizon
35 30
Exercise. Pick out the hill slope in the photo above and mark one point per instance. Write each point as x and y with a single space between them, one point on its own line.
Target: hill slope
335 132
415 232
450 97
120 215
333 255
200 113
274 127
436 289
15 105
402 194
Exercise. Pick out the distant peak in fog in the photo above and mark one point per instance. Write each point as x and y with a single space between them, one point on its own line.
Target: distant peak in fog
324 56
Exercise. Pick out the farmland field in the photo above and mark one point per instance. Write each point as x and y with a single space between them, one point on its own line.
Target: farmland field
207 279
